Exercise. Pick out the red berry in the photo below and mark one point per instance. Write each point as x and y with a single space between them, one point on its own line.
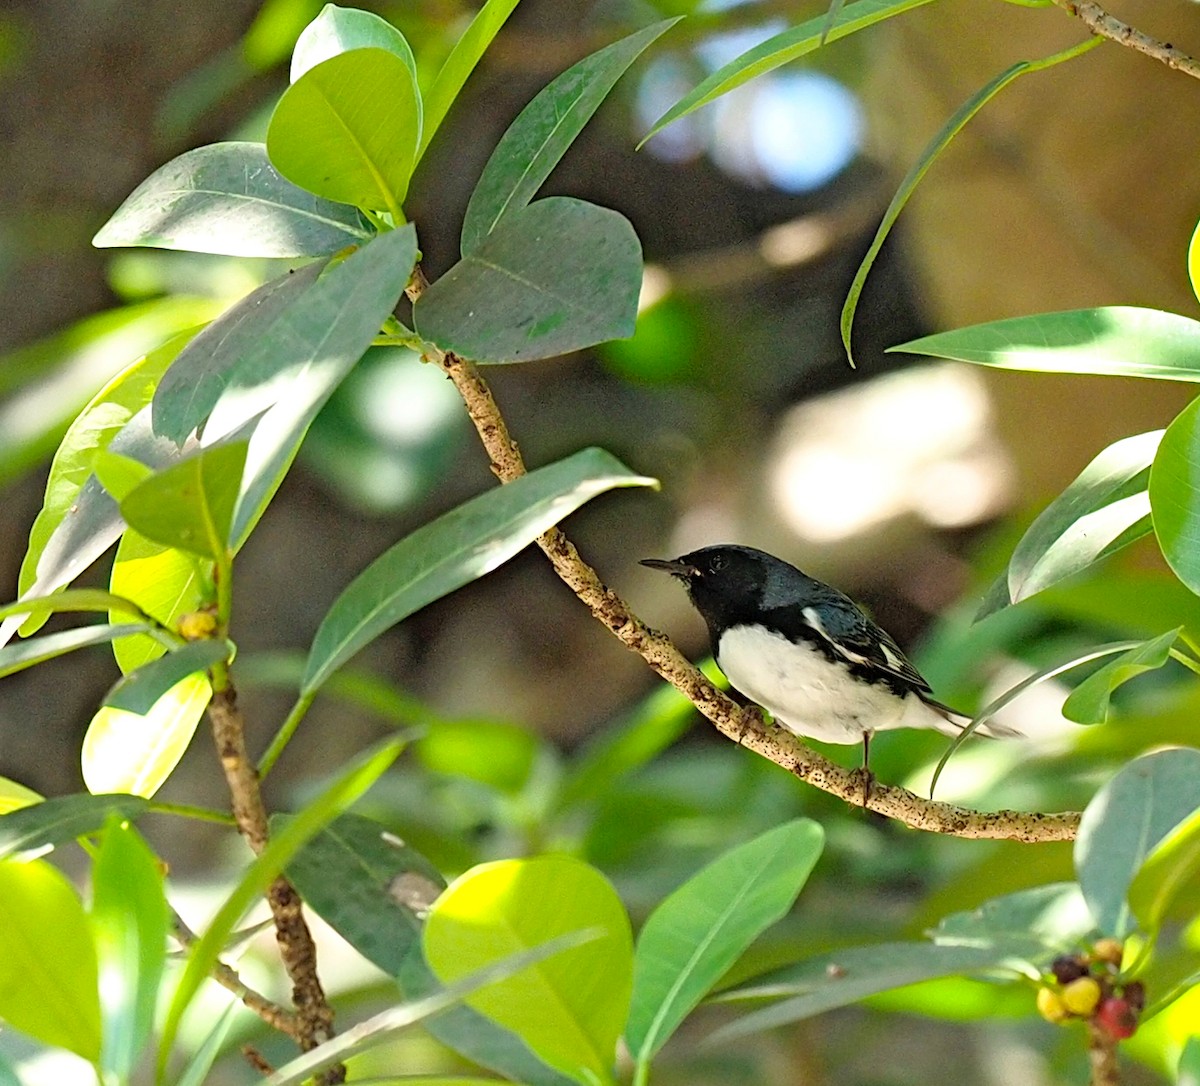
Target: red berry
1116 1017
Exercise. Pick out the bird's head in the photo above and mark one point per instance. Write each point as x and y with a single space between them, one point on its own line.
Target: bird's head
725 582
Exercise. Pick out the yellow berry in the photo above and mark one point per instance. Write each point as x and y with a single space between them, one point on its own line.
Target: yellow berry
1081 996
1050 1005
197 625
1109 951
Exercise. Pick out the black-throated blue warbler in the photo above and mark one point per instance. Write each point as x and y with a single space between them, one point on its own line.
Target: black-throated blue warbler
805 651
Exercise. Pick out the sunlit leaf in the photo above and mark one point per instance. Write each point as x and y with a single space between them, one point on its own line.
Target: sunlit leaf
62 818
570 1008
348 129
227 198
1114 341
457 548
130 921
1169 877
1033 925
14 796
1175 495
1085 522
48 986
338 30
460 64
544 130
129 752
140 690
1090 701
1126 819
524 294
780 49
38 650
190 504
492 752
697 933
119 474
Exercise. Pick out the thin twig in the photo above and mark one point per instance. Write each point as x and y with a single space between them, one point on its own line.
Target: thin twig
730 719
296 946
1102 1058
1104 25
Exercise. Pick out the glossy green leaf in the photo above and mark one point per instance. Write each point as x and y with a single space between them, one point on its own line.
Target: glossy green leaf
846 976
1175 495
278 387
191 387
338 30
544 130
1126 819
460 64
1090 701
130 922
1114 341
135 753
556 276
457 548
384 1026
954 124
62 818
570 1008
697 933
1033 925
73 599
139 691
227 198
166 582
350 784
95 426
48 983
348 129
1105 505
190 504
38 650
14 796
119 474
782 48
1170 876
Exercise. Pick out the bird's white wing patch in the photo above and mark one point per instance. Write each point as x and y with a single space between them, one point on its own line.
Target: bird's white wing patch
813 618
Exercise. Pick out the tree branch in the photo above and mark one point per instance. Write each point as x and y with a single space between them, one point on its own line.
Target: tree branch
1104 25
314 1016
744 727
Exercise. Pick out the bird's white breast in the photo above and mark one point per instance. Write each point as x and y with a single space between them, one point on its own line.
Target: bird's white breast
811 695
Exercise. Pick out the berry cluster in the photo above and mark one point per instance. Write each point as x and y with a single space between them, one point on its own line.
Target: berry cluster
1088 986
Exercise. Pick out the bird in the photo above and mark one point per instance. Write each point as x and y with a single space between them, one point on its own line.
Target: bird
806 652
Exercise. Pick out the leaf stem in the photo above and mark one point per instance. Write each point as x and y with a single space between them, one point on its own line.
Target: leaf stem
284 735
187 810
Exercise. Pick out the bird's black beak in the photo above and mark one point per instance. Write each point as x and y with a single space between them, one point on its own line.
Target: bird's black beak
683 570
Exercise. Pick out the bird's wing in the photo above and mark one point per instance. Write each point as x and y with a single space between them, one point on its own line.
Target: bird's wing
858 640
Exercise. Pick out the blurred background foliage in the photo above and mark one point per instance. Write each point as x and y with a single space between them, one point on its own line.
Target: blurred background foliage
905 484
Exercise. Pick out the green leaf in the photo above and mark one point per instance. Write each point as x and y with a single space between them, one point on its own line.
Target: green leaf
338 30
166 583
119 474
139 691
1169 876
1090 701
524 293
1124 822
1106 506
227 198
955 124
569 1009
14 796
455 549
190 504
348 129
350 784
1175 495
195 1071
191 387
95 426
491 752
780 49
73 599
460 64
135 753
369 886
38 650
130 921
846 976
48 983
289 375
1033 925
62 818
1189 1061
697 933
541 134
1113 341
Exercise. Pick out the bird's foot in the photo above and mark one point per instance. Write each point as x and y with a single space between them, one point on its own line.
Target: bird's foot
751 718
868 783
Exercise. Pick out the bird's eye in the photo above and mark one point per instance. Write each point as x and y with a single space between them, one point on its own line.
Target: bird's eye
716 564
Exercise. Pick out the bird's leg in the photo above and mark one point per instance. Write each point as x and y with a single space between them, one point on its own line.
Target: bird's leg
868 777
751 715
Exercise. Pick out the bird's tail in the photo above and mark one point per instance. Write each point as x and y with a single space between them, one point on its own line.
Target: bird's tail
956 722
